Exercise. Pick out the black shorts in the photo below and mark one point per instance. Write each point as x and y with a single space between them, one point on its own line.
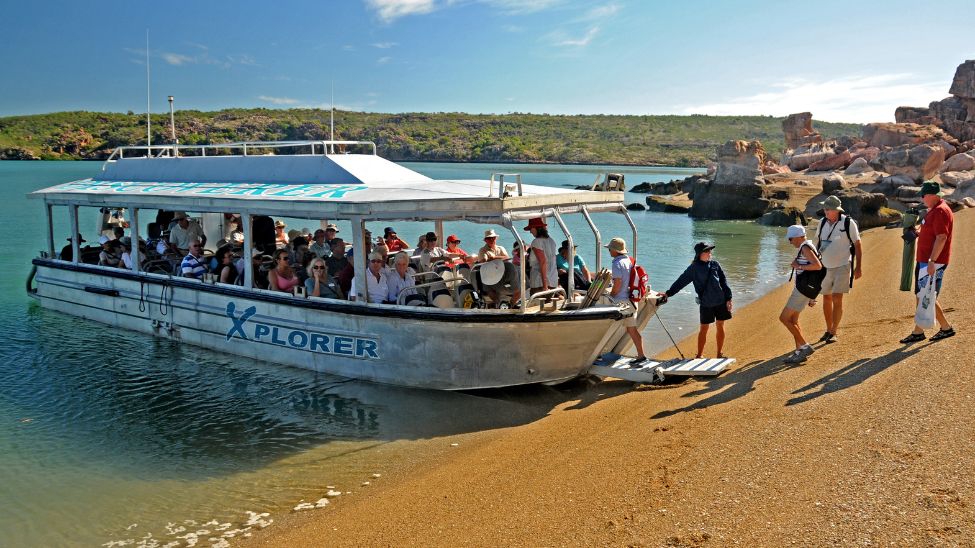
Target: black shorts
711 313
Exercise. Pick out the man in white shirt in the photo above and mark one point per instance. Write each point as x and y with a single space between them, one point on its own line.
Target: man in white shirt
835 235
184 232
622 264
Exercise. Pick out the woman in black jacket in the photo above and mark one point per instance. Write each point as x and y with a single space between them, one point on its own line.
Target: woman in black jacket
713 293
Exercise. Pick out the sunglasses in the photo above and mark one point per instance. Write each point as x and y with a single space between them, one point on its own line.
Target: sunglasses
318 268
380 261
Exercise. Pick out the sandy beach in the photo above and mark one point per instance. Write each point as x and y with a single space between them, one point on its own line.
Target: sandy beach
870 442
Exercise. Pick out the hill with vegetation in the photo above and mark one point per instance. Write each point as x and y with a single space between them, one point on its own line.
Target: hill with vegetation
441 137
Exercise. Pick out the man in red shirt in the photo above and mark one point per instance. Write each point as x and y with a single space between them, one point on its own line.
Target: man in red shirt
933 254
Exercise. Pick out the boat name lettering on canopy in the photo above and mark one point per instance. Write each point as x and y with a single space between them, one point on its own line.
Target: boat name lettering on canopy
323 343
264 190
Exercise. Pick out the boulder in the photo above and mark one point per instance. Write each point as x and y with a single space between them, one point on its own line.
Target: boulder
771 168
666 205
969 202
830 163
915 115
832 183
956 178
798 130
18 153
671 187
959 162
860 165
957 116
724 201
858 203
739 163
867 153
783 217
885 134
918 162
950 149
636 207
964 190
963 84
911 193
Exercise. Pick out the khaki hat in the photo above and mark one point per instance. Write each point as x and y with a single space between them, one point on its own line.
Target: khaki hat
279 224
833 203
489 233
332 227
616 244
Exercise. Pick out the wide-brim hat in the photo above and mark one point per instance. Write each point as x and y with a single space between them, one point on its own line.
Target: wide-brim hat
80 239
931 187
833 203
490 233
616 244
279 224
492 272
332 228
536 222
180 215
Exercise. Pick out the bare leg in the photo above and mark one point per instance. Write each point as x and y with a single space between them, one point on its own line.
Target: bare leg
828 311
637 341
837 312
720 337
702 338
790 319
940 314
917 329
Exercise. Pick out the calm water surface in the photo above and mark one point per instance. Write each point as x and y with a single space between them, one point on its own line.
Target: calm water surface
116 436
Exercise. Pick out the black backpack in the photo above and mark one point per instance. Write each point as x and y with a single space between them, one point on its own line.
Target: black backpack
810 282
853 249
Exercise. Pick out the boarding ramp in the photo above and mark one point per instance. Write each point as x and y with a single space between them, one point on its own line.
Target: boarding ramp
618 367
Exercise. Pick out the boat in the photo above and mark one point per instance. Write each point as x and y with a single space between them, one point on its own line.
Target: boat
549 337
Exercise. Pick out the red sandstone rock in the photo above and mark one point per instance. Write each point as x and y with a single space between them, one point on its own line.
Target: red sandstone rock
830 163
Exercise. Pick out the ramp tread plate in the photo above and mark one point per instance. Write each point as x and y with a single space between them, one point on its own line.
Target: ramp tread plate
615 366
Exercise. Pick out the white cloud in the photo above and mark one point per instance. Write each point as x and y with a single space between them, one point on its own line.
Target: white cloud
390 10
385 45
602 12
177 59
522 6
383 60
278 100
559 39
848 99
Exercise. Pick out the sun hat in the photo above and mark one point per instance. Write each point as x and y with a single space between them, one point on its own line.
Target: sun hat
279 224
80 239
565 245
931 187
701 247
833 203
795 231
536 222
489 233
492 272
180 215
332 227
103 239
453 239
616 244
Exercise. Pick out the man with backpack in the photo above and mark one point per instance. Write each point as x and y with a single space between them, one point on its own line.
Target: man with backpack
838 241
623 274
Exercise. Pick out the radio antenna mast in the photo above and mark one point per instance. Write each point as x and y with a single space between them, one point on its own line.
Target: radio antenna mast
148 120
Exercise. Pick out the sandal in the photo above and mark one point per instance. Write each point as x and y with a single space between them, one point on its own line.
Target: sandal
913 338
943 334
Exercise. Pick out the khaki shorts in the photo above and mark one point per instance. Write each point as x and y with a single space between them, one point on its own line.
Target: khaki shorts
797 301
631 321
837 280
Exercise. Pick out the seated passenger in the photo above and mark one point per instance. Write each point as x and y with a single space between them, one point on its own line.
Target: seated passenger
67 253
319 246
110 254
280 238
491 250
339 266
193 265
282 277
431 253
319 284
454 252
226 270
400 278
581 275
377 283
392 240
126 247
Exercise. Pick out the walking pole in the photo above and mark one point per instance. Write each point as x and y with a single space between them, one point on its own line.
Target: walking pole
671 338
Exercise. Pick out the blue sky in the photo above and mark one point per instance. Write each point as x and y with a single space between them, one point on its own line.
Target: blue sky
842 61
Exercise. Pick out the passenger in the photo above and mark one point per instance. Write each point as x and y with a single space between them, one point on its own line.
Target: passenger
184 232
126 247
377 283
292 234
544 270
432 253
713 294
232 228
118 232
491 250
67 252
226 270
298 248
331 234
282 277
807 259
192 265
110 254
339 266
381 248
368 245
280 238
400 278
454 252
620 293
319 246
318 283
582 278
392 240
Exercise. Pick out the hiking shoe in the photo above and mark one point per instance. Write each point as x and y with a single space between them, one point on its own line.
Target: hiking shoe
637 363
943 334
796 357
827 337
806 350
916 337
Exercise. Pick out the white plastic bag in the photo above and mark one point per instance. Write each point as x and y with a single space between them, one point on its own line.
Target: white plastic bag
927 299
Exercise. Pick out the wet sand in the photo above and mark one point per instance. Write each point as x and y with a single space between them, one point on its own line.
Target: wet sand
868 442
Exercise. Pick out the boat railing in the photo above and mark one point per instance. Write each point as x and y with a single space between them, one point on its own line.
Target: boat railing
503 191
243 148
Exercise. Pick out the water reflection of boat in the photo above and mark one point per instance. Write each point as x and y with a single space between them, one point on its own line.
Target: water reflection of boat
444 348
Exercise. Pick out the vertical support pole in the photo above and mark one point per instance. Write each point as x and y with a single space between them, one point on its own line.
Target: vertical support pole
599 239
247 220
73 226
522 259
570 278
361 259
633 228
438 228
48 212
135 255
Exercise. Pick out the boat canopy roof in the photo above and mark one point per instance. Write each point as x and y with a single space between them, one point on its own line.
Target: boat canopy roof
316 185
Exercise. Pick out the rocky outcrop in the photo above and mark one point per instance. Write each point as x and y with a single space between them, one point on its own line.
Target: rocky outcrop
836 161
667 205
636 207
959 162
956 114
832 183
869 209
963 84
884 134
798 130
917 162
805 156
964 190
671 187
957 178
786 216
17 153
738 190
860 165
915 115
772 168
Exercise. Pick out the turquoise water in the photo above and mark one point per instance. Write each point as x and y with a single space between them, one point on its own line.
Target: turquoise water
112 435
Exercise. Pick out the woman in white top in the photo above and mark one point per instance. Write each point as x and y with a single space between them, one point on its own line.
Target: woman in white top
807 259
377 285
541 258
400 278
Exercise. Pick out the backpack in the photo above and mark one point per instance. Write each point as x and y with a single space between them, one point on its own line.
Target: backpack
639 282
810 282
853 249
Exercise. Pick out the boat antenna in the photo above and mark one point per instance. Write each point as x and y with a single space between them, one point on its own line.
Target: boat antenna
148 121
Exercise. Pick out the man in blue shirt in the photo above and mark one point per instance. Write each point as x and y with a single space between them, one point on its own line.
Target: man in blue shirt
192 265
622 264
